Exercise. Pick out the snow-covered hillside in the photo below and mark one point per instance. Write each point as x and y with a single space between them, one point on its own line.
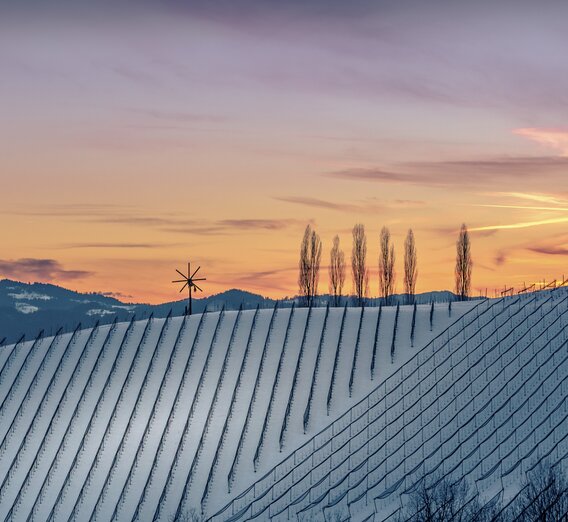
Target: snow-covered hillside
487 401
146 419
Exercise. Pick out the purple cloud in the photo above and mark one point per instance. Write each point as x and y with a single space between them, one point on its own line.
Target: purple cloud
475 172
116 295
552 250
28 269
116 245
226 226
180 116
500 258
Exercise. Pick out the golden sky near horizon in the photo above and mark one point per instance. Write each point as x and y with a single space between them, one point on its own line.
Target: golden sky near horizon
128 147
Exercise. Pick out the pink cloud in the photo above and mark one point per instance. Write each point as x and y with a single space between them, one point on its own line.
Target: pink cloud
552 138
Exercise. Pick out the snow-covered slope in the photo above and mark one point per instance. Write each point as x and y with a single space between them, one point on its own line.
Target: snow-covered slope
487 400
148 419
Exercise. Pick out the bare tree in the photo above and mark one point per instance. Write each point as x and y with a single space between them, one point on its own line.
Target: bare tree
410 266
439 500
309 265
544 496
387 274
463 264
359 264
336 271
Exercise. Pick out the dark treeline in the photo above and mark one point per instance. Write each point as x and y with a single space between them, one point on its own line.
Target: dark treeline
310 259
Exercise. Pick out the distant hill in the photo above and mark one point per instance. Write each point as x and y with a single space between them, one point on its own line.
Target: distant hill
28 308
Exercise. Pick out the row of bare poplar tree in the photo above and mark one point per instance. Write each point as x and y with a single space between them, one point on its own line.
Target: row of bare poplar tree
310 259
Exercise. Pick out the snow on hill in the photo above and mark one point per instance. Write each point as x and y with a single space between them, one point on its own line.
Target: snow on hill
28 308
485 401
281 414
140 420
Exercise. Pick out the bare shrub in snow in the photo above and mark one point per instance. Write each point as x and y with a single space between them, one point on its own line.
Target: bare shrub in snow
444 501
543 498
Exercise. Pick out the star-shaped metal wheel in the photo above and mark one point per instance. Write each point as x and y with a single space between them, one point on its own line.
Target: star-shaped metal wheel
189 282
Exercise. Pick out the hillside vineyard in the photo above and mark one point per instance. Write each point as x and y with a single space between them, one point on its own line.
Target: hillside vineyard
282 414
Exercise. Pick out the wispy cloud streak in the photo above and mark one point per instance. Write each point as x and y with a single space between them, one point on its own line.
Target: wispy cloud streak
331 205
227 226
524 207
115 245
550 250
457 174
132 216
542 198
527 224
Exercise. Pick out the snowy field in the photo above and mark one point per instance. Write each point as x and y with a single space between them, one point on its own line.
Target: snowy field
143 420
486 400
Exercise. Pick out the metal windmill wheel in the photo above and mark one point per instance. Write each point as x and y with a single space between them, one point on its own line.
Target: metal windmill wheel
189 281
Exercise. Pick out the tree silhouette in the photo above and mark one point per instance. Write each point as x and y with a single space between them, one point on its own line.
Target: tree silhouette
309 265
410 266
387 273
543 497
359 264
464 264
336 271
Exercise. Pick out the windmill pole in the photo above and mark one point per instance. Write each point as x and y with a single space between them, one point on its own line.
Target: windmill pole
189 285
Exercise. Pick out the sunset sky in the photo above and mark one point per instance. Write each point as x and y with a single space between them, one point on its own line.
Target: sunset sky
135 137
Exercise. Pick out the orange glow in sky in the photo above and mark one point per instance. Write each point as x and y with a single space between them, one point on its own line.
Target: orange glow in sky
131 142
